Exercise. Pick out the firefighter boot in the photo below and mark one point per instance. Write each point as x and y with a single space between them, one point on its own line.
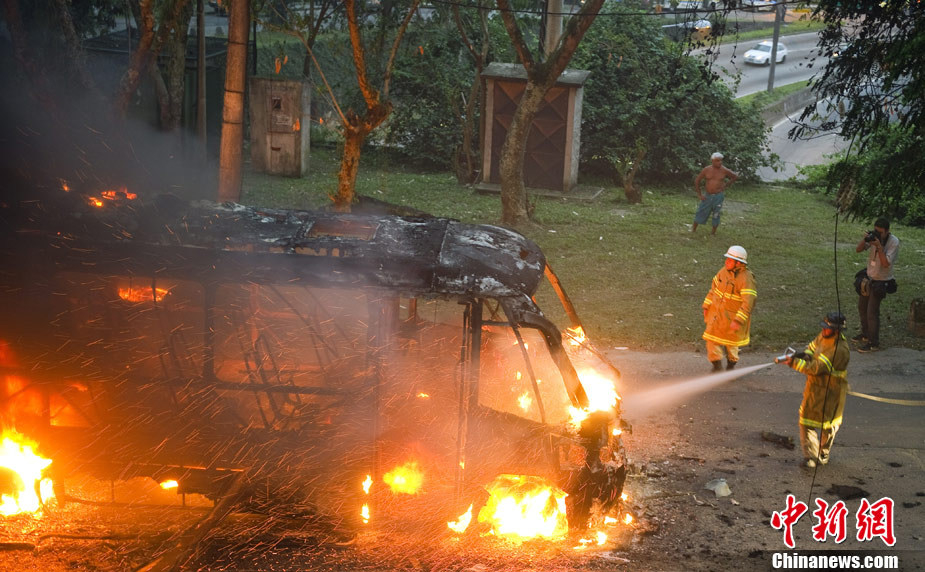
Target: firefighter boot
717 365
730 364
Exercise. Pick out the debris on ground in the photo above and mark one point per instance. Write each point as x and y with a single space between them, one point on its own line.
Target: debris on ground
719 487
847 492
779 440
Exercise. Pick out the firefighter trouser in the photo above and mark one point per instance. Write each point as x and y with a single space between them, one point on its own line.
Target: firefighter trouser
715 352
812 448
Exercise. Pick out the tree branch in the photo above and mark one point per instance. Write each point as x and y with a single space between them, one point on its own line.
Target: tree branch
398 36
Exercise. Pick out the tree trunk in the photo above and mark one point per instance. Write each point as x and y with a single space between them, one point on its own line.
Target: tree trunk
74 51
378 106
141 57
176 66
511 164
349 166
232 144
466 157
540 78
632 193
20 39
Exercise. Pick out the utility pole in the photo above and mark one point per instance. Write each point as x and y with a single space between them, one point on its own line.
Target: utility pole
779 8
553 25
231 149
201 75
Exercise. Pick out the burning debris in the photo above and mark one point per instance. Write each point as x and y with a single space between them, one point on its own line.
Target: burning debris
23 485
194 344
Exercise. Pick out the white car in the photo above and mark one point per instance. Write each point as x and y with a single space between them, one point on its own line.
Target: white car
756 5
761 54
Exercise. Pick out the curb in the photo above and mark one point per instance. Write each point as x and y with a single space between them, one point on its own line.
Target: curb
793 103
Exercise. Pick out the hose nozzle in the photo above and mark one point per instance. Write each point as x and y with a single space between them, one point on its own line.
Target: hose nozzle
787 353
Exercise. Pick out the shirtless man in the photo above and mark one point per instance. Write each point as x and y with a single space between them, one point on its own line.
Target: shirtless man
718 180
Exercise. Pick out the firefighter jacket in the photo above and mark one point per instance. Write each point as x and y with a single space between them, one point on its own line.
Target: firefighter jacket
826 369
731 299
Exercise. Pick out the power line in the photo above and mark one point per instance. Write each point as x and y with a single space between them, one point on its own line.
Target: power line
538 12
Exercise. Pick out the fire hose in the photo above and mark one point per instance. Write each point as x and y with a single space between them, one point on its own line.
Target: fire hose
790 353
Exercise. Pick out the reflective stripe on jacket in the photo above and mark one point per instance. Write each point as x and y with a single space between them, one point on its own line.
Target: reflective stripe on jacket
826 369
731 299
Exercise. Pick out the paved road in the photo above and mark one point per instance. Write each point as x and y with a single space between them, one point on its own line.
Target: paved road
793 154
802 63
880 449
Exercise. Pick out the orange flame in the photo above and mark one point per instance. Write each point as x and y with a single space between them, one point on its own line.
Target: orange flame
297 125
525 401
576 336
367 484
169 484
521 507
364 514
462 523
405 479
122 192
600 538
95 202
602 395
22 469
132 294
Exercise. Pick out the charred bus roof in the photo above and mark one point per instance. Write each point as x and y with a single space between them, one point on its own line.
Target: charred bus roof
211 242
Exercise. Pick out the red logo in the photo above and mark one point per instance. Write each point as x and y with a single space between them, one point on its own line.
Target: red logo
872 520
787 518
876 520
830 522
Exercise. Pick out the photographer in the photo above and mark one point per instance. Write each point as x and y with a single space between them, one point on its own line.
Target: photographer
877 283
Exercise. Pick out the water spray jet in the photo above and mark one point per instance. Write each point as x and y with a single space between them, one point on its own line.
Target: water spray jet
648 402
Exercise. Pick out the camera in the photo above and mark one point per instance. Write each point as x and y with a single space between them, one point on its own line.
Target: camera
871 235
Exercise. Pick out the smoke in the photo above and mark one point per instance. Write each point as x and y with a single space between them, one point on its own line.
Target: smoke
640 405
53 130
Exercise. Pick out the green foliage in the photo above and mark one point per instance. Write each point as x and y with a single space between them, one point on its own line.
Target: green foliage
433 76
432 79
867 186
877 80
643 90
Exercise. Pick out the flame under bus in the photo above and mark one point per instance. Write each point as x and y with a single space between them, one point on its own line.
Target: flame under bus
316 351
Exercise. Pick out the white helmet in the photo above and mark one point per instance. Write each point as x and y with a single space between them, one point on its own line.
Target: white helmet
736 252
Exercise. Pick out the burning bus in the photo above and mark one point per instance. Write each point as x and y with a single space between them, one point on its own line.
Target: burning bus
375 367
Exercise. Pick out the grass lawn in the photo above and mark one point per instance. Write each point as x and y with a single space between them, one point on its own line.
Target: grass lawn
636 273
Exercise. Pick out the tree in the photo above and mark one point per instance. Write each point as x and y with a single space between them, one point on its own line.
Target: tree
875 77
46 38
439 76
163 26
373 98
651 111
541 76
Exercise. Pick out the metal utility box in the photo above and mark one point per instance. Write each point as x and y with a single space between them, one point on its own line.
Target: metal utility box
280 114
551 159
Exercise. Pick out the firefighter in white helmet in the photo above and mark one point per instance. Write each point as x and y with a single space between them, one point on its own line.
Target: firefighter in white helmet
727 309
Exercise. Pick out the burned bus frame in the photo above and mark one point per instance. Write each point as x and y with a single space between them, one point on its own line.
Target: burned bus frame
168 426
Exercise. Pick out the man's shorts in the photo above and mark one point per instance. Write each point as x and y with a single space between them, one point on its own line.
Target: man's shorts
710 204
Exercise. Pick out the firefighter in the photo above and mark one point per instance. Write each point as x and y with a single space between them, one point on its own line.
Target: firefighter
727 309
825 363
